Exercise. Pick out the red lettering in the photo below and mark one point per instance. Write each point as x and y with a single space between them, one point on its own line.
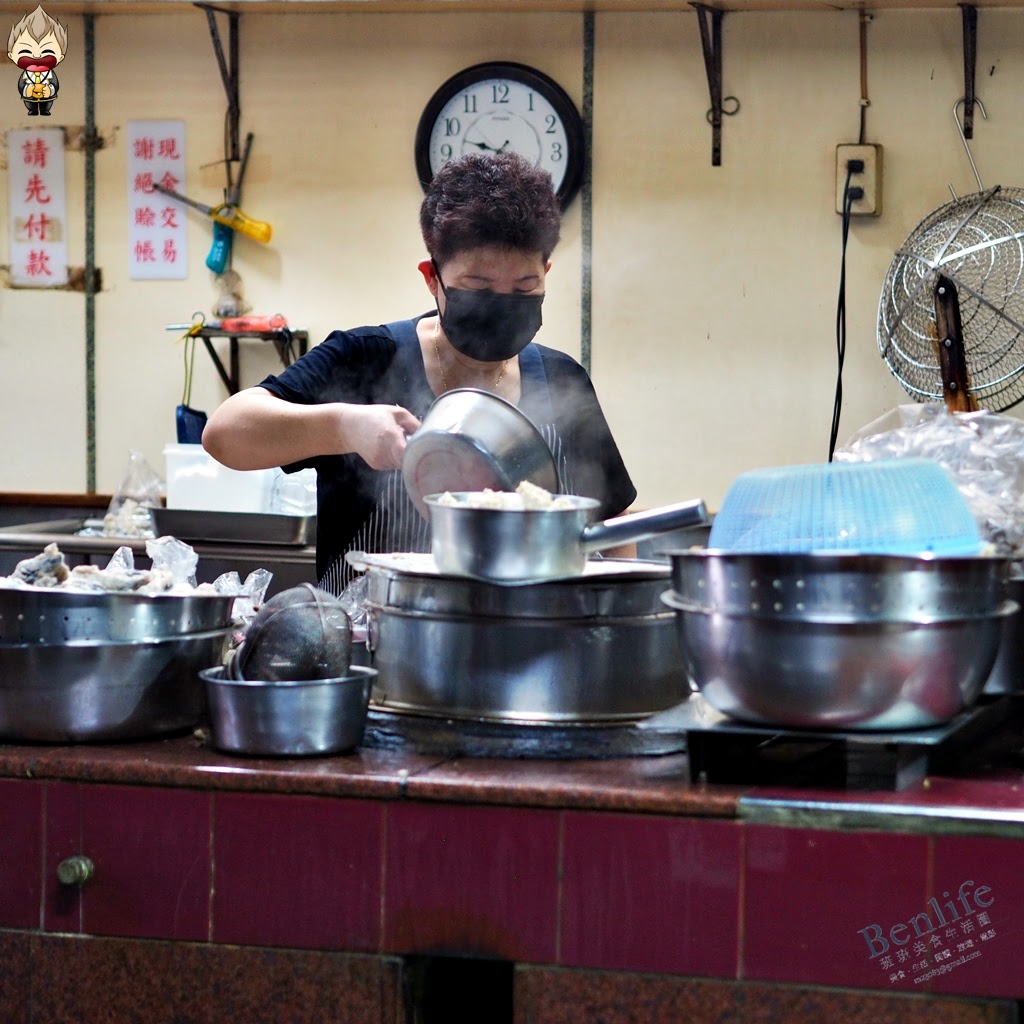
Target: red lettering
168 180
144 252
168 149
36 226
34 152
38 263
35 189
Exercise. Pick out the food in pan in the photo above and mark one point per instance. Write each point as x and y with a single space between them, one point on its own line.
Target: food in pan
47 569
527 496
50 570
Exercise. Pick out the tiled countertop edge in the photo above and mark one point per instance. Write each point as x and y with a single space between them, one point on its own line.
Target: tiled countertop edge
881 816
653 785
644 786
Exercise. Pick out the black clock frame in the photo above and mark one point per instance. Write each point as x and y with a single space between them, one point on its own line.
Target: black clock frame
537 80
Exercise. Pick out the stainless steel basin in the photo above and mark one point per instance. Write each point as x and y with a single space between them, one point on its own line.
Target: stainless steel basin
838 641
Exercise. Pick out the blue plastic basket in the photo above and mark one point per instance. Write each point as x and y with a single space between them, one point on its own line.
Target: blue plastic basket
908 506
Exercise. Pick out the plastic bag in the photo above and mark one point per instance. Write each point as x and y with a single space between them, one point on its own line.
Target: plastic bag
174 558
354 601
128 513
982 451
249 596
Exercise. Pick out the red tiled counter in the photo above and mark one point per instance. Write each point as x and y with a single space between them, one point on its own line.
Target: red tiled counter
618 888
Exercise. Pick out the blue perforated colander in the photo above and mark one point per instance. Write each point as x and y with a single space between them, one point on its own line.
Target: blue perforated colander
905 506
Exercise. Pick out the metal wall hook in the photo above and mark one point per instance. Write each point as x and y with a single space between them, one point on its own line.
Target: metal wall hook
963 139
711 47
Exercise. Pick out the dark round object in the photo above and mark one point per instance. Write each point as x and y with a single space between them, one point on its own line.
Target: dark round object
302 633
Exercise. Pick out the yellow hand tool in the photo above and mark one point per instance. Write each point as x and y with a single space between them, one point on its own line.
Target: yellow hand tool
226 214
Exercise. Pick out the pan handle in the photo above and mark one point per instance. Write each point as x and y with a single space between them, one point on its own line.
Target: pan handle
640 525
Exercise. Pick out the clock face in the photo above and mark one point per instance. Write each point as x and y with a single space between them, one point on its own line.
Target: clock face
497 108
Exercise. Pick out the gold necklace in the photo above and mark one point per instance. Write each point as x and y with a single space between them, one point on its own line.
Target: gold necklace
440 365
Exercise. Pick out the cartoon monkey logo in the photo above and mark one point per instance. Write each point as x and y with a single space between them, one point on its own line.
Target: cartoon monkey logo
37 44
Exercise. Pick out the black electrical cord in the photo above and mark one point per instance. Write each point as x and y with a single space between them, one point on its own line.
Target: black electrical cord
850 195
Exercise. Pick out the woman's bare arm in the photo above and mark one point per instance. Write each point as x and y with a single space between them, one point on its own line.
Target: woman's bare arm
255 429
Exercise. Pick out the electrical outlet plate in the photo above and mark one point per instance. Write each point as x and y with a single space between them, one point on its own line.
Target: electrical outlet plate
870 180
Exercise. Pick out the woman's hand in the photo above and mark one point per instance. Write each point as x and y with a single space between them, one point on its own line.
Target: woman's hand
378 433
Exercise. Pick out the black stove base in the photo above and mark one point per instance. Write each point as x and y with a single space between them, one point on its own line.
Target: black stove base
731 752
425 734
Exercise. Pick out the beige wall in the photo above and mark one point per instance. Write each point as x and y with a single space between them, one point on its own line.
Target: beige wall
714 289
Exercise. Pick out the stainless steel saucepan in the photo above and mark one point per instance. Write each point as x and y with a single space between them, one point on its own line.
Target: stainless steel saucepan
532 545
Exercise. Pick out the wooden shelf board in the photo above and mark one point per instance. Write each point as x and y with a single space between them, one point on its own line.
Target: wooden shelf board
59 8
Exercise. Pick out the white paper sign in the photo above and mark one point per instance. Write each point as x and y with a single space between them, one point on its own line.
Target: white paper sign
37 225
156 222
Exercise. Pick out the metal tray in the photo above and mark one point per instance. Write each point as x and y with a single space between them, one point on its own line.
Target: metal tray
234 527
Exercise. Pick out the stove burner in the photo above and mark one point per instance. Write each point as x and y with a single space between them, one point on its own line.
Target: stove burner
425 734
731 752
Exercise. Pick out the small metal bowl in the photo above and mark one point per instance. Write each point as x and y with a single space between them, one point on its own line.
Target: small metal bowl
292 718
839 642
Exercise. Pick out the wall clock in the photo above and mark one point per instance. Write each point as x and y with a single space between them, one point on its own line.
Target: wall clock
499 106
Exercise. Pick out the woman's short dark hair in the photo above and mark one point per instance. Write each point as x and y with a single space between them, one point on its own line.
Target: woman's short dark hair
489 200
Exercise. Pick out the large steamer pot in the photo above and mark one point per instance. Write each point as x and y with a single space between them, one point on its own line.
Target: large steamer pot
595 649
839 641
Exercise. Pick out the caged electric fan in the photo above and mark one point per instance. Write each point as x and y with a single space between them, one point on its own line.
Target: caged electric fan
951 313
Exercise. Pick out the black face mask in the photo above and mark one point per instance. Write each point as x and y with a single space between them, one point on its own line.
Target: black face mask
489 326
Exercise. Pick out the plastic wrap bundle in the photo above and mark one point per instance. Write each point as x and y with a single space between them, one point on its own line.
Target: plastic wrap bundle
982 451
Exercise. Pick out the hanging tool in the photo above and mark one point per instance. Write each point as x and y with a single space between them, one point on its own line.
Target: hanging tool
949 343
220 252
225 214
963 139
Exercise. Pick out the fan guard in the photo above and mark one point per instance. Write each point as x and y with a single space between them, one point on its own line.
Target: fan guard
977 241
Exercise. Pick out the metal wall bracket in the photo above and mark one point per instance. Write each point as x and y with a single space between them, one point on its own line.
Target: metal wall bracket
228 70
711 46
970 21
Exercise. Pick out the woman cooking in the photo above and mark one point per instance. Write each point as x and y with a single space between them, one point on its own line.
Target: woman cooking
347 407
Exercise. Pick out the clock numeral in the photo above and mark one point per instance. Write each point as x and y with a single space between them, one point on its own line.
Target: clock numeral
551 121
556 152
452 126
446 151
529 103
499 92
469 104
